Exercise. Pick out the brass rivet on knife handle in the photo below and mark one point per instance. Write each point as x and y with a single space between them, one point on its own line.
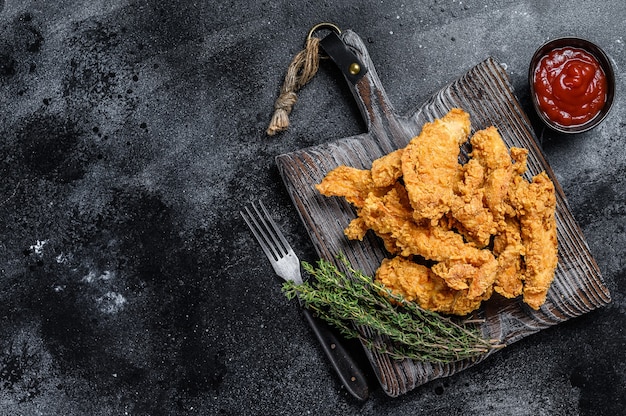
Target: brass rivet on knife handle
303 67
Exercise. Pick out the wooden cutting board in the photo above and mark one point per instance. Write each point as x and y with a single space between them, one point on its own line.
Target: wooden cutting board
486 94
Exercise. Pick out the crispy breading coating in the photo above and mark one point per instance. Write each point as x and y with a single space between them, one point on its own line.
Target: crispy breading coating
348 182
387 169
519 156
417 283
430 164
471 217
489 150
356 185
536 204
508 247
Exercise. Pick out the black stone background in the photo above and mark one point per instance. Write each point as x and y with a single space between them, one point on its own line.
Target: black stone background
132 132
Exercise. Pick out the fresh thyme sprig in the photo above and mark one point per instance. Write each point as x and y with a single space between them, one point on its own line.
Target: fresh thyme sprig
353 299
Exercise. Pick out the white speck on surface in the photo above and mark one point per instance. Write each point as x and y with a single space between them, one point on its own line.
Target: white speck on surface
92 276
111 303
38 247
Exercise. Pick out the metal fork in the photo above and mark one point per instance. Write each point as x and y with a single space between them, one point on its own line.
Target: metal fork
273 242
287 266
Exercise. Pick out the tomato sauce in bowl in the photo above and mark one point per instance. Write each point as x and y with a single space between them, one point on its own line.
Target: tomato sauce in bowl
572 84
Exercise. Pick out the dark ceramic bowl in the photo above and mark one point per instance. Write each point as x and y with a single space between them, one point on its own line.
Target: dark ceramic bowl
605 63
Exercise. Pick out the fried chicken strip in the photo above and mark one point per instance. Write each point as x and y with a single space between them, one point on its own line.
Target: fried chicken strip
430 164
355 185
481 207
536 205
348 182
468 211
489 150
508 247
387 170
417 283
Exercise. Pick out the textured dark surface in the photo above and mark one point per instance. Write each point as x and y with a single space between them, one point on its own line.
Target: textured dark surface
131 134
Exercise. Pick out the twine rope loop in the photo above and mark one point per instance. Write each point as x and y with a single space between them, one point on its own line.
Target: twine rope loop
300 71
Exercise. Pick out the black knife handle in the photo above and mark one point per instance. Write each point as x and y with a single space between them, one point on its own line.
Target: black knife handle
349 371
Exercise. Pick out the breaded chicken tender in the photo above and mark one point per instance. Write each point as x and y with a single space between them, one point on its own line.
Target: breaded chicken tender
387 169
508 247
489 150
536 204
470 215
417 283
350 183
458 233
355 185
430 164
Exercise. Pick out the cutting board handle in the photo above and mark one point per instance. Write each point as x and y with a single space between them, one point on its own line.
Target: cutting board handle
377 110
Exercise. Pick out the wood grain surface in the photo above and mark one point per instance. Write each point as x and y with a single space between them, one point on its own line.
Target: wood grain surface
485 93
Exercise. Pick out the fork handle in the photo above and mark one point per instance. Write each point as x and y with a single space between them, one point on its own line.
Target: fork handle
349 371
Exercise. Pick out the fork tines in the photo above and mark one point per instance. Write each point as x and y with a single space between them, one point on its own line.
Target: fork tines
266 231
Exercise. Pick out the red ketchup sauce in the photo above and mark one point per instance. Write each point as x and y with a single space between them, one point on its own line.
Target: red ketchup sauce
570 86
